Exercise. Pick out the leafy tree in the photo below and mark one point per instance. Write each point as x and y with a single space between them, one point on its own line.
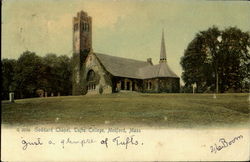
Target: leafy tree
50 76
235 59
56 74
217 60
28 72
8 72
64 73
197 64
211 47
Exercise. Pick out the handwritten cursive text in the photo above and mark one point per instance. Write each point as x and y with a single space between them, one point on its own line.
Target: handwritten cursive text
223 143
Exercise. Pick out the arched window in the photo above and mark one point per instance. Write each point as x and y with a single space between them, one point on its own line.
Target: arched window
90 76
150 85
91 80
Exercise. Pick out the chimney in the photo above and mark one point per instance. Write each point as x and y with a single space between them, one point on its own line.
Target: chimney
149 60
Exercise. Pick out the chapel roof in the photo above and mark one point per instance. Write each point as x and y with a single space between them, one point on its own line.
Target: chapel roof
122 67
156 71
130 68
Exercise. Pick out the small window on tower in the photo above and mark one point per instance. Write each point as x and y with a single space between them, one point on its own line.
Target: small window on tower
87 27
76 27
84 26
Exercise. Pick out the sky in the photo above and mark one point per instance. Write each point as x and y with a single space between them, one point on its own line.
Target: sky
124 28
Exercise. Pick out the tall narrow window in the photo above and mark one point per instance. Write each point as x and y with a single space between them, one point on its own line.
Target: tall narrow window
150 85
128 85
83 26
122 85
91 80
75 27
87 27
133 86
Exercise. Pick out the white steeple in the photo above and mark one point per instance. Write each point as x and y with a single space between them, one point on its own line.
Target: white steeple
163 56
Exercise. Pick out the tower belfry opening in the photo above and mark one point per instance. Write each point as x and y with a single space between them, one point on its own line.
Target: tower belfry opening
82 33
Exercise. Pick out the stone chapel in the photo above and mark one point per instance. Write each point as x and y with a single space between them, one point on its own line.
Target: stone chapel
96 73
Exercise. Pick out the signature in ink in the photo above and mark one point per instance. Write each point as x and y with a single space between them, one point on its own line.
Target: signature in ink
223 143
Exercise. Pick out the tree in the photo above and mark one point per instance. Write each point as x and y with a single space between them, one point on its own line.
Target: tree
28 72
31 74
211 43
50 77
197 65
235 59
8 72
57 74
217 60
64 73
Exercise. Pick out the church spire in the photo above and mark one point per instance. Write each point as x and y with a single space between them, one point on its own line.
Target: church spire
163 57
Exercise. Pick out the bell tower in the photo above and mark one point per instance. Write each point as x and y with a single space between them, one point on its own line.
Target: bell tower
82 45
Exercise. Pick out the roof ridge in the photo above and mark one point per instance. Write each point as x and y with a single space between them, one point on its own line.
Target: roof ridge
120 57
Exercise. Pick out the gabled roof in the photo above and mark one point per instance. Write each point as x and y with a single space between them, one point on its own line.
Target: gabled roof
124 67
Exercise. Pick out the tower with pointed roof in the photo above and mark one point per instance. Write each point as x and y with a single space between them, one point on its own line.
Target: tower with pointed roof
163 56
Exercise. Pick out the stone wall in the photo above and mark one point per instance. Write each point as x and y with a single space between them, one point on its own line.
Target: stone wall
77 73
159 85
150 85
169 85
126 84
103 80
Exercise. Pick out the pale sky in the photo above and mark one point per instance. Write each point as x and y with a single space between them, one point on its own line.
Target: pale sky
125 28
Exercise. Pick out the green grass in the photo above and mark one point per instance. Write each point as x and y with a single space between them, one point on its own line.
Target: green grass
150 110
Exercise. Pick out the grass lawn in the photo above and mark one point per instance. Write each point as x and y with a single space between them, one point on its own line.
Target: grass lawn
150 110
